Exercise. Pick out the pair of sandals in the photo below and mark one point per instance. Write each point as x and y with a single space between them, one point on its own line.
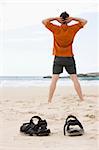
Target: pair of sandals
40 128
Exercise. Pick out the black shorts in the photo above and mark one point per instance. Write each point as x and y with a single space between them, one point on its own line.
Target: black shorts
61 62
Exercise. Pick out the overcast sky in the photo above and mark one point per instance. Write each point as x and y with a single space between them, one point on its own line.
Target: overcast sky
26 46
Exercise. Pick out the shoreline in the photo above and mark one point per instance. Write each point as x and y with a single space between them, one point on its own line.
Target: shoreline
45 83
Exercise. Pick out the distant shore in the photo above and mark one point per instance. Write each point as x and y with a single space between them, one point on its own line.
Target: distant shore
37 77
95 74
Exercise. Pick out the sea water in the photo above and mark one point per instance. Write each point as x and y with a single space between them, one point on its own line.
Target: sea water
27 81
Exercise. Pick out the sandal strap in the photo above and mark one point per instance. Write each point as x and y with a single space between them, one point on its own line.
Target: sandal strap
73 123
37 117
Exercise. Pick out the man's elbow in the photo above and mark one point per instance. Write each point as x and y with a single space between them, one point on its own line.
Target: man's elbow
43 22
84 22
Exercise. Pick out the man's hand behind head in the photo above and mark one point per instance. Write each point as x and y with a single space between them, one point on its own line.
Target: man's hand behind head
69 19
60 20
63 21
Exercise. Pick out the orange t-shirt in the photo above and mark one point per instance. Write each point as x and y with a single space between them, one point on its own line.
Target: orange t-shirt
63 38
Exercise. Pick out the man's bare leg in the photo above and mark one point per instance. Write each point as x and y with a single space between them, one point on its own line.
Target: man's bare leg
77 86
55 77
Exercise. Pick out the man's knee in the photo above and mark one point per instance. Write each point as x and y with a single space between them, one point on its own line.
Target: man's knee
74 77
55 77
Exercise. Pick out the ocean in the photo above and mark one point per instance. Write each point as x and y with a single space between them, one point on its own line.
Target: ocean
26 81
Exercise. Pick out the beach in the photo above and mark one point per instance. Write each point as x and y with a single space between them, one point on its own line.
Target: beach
26 61
19 104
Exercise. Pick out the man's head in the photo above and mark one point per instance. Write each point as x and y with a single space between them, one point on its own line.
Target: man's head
64 15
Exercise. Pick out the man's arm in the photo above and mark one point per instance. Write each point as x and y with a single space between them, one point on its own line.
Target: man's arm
45 21
82 21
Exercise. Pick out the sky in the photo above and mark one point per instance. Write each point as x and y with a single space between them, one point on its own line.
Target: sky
25 44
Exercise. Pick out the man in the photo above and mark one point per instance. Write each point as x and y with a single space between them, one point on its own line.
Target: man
62 49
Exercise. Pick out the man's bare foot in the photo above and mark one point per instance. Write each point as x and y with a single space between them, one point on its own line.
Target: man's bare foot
81 99
49 101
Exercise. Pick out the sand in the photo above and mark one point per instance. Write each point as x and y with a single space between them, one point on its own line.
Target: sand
19 104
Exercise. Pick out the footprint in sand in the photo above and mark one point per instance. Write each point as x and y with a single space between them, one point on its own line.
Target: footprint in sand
90 116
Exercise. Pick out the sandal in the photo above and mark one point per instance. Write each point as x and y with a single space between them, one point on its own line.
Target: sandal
39 129
70 124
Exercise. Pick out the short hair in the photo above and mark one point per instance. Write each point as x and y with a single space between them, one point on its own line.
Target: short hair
64 15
